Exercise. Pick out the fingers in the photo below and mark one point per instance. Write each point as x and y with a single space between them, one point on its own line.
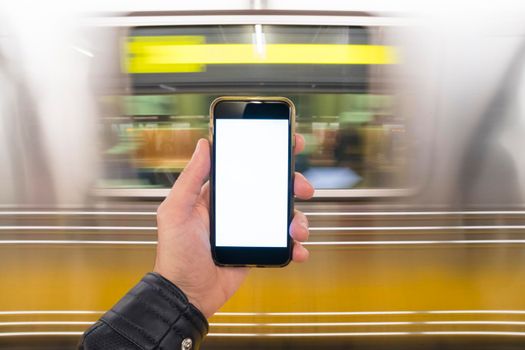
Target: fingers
302 187
299 143
187 188
299 227
300 254
299 232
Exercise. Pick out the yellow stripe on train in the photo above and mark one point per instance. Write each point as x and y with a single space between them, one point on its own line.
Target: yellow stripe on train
175 54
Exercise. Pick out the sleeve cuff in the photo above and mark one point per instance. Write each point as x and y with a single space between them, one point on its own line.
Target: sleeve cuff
156 313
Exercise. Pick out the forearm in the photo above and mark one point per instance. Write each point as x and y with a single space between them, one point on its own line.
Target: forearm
155 314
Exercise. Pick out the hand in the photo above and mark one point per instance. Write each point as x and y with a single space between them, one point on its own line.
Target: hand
183 250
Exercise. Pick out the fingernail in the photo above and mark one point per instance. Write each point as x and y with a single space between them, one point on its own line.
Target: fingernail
197 146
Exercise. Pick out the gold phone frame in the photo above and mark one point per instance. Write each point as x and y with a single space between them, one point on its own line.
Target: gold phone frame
292 162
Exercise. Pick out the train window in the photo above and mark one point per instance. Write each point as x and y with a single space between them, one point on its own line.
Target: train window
334 74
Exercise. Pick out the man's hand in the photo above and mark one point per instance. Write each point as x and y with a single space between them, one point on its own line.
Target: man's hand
183 251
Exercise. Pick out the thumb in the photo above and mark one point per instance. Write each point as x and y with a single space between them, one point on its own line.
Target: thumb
186 190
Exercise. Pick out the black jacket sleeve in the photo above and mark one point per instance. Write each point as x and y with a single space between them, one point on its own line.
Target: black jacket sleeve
155 314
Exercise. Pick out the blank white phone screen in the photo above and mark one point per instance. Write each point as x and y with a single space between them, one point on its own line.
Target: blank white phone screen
251 182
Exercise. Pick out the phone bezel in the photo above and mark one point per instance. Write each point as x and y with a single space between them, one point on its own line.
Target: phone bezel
236 107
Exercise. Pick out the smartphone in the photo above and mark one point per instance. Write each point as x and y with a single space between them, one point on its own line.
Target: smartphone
251 180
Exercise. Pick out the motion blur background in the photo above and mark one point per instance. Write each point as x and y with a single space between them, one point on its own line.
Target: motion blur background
414 115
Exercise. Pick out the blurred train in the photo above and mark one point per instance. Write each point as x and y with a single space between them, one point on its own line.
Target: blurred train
355 139
414 125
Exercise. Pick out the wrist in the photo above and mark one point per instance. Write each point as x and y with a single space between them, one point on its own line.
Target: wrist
181 294
198 305
201 305
195 302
